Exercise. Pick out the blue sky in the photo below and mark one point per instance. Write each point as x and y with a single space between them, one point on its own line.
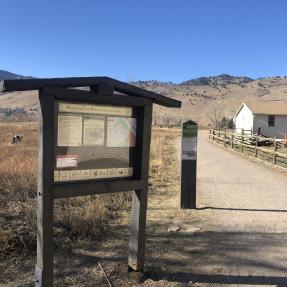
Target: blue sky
143 40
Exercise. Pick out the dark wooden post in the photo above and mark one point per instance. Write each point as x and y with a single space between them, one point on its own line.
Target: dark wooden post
139 201
232 141
224 138
242 139
256 145
44 267
188 165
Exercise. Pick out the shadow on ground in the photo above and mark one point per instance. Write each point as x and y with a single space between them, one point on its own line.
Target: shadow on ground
201 257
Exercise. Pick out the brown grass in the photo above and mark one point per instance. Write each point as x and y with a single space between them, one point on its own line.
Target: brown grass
80 217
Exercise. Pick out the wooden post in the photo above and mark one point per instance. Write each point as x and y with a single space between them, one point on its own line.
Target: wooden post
232 141
209 137
218 138
188 165
139 202
224 138
275 152
256 145
242 138
44 267
213 132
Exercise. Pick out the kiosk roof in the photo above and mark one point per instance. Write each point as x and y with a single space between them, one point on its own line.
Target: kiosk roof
122 87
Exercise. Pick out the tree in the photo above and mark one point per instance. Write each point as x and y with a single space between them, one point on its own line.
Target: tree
214 114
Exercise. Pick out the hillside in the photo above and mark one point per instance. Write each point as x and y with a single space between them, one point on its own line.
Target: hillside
5 75
199 96
224 93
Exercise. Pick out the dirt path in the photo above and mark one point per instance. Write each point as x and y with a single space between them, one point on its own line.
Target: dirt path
236 237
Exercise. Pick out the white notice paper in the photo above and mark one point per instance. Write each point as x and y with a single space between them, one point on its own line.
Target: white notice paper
69 130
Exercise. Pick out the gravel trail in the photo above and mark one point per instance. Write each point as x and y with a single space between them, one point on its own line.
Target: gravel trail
238 234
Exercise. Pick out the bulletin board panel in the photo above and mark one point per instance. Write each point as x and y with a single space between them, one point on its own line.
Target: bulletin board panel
94 142
98 142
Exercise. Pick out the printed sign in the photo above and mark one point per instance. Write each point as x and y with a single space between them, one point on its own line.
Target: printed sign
69 130
189 148
121 132
95 109
63 161
94 142
94 131
189 141
70 175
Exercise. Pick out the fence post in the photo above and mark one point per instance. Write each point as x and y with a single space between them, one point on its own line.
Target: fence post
209 137
232 141
213 132
218 139
224 138
242 140
256 144
275 151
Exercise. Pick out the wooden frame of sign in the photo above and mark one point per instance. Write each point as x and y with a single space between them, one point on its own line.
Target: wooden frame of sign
102 92
48 190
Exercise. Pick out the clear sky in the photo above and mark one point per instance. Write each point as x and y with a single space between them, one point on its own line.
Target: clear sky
166 40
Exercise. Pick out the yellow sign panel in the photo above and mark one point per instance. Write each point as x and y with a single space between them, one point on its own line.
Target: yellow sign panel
95 109
70 175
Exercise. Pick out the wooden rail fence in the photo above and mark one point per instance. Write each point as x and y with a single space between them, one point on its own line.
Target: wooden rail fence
271 150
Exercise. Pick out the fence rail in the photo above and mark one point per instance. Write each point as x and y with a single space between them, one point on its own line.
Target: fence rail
271 150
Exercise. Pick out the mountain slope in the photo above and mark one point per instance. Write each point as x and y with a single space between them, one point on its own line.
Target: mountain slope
5 75
199 96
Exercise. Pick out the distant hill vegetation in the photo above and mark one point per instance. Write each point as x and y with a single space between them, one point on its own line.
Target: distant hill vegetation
5 75
220 80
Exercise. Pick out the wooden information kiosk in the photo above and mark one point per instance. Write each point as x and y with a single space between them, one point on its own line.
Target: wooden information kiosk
91 142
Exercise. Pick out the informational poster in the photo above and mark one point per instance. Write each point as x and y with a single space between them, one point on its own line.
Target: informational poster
121 132
189 141
94 131
189 148
94 142
69 130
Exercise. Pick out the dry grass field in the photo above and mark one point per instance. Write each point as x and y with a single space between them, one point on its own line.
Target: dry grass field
77 220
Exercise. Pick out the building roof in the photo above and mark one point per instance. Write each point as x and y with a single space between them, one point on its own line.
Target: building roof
266 108
118 86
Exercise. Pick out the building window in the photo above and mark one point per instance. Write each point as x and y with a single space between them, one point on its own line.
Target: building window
271 121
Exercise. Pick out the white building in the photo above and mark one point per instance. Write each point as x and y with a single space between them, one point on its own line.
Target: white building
265 118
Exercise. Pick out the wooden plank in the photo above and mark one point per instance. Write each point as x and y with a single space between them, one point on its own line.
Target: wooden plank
275 149
135 91
188 184
86 96
37 84
44 267
139 201
102 89
73 189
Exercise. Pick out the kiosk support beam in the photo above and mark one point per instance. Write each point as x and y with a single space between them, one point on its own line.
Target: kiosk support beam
44 267
139 200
